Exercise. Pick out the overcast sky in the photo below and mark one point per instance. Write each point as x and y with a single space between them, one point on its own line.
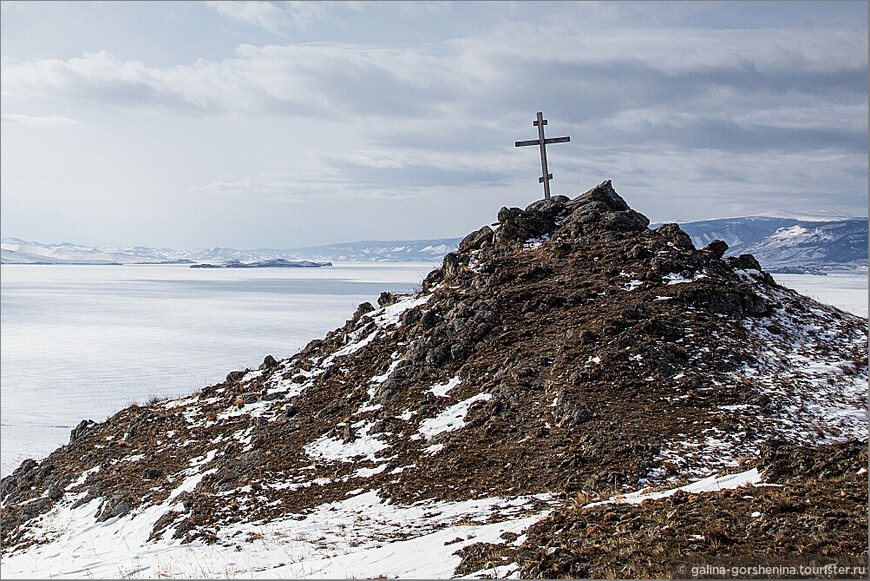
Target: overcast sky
282 124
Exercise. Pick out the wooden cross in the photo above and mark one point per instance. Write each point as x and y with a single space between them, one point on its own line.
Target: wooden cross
544 179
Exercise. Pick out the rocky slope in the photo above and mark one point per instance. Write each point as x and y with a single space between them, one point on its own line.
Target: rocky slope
570 355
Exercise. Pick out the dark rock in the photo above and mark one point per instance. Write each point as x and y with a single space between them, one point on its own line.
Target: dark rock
386 299
81 430
234 376
29 465
429 319
452 265
476 240
627 221
743 262
571 413
118 504
436 356
738 303
152 473
587 337
638 251
673 234
362 309
433 278
507 214
516 225
38 506
401 377
605 195
412 316
552 207
54 493
269 362
311 346
716 248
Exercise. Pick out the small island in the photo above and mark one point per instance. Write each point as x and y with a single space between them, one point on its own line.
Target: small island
273 263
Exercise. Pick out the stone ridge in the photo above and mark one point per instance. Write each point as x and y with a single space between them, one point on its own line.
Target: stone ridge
569 350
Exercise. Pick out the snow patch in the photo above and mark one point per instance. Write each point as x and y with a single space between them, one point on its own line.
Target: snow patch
451 419
441 389
328 448
710 484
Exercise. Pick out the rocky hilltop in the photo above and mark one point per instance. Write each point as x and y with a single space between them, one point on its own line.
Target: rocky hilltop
550 367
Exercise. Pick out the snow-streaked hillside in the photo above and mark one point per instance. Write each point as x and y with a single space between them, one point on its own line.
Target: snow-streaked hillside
545 374
789 244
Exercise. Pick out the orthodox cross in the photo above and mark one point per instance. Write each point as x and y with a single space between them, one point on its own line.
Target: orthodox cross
540 141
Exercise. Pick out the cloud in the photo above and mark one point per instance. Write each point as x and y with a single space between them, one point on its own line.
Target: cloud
269 16
728 114
584 75
369 174
41 121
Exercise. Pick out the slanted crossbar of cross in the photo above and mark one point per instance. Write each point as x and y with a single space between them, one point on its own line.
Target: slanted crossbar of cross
542 142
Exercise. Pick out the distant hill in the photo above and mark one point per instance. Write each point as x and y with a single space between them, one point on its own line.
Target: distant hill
779 244
788 244
381 250
17 251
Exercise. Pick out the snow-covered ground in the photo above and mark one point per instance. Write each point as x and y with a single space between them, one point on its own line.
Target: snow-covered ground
85 341
362 536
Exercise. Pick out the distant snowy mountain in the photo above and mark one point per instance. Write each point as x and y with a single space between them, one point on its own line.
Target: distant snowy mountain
789 244
16 251
779 244
381 251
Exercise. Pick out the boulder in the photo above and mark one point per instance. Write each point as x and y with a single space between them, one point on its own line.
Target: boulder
603 194
81 429
386 299
476 240
673 234
115 505
516 225
744 262
716 248
551 208
269 362
452 264
363 309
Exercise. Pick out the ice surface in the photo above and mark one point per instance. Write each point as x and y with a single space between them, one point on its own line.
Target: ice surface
82 342
845 290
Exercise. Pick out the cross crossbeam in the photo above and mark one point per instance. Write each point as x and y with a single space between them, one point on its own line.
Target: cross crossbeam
542 142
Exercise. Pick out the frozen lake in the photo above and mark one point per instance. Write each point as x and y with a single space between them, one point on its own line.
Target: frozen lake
844 290
86 341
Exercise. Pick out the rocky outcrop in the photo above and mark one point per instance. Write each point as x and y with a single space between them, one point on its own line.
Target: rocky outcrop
571 350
